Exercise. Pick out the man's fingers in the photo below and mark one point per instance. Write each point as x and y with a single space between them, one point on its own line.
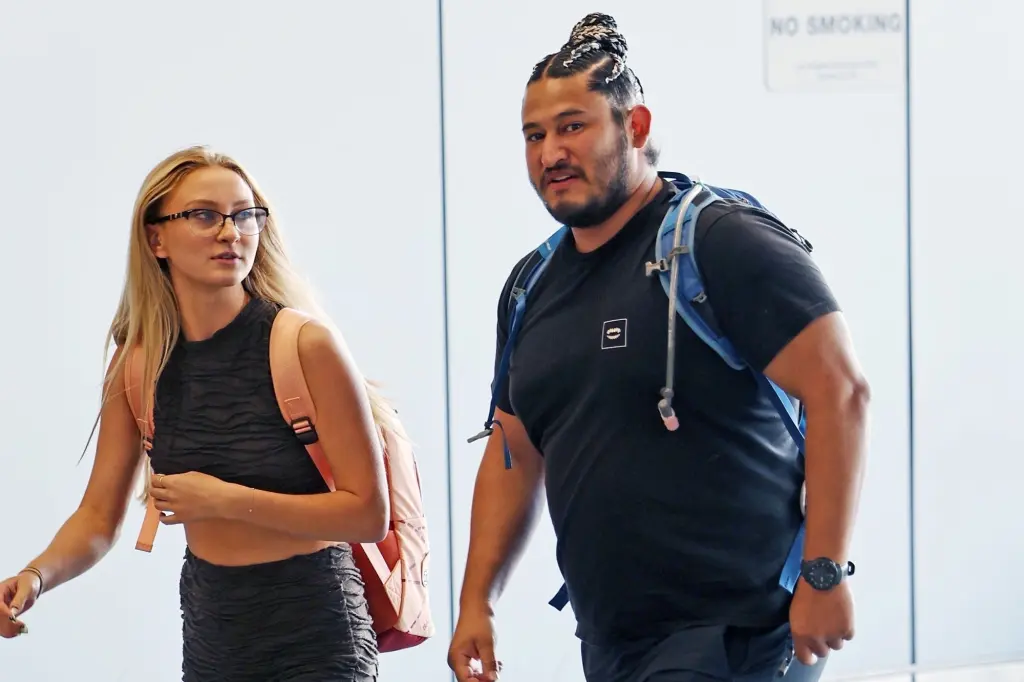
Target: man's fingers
466 668
804 654
836 644
819 647
464 673
809 649
490 664
459 664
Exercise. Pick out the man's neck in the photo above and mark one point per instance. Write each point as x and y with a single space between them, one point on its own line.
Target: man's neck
205 312
591 238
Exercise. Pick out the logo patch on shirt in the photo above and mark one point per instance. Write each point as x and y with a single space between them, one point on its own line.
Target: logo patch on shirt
613 334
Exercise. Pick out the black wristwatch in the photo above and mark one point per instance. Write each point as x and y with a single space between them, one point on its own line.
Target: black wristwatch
823 573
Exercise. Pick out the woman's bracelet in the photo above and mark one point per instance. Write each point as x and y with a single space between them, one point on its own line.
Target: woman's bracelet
38 574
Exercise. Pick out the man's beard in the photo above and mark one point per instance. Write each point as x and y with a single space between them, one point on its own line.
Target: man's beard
600 208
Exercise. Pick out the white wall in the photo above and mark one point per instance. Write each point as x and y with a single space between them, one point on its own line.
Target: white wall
319 107
967 102
337 114
832 165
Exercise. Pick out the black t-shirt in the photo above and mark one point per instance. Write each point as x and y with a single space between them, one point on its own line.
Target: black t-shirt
659 529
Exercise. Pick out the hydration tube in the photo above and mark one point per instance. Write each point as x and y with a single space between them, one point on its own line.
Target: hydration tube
668 415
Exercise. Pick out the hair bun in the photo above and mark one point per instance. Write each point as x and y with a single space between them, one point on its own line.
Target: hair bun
597 31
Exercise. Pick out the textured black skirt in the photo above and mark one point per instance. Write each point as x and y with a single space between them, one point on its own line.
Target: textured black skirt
300 619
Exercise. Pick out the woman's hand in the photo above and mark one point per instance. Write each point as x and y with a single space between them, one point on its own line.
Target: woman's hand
17 595
192 496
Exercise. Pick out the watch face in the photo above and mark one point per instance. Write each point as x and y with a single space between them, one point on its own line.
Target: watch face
822 575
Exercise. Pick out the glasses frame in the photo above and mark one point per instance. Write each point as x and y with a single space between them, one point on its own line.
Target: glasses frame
187 213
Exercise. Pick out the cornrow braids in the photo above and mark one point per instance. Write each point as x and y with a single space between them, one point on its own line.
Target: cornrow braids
594 44
596 47
597 32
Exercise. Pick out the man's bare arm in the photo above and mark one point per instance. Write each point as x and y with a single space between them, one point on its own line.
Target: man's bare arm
506 503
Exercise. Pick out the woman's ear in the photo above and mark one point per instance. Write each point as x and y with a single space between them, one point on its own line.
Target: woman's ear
155 244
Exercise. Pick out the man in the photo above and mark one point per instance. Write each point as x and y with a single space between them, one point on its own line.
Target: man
671 542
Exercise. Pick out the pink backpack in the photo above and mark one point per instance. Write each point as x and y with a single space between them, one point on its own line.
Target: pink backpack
394 570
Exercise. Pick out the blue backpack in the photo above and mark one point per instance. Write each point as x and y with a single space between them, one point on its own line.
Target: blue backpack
675 263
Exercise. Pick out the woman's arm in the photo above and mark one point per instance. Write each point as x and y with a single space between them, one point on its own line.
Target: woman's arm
91 530
358 510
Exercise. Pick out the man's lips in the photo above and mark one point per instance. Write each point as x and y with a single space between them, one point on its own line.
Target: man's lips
559 178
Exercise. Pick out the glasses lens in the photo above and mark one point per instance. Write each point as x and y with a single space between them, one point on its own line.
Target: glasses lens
251 220
204 222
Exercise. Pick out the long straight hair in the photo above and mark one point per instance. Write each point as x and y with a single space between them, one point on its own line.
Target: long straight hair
147 314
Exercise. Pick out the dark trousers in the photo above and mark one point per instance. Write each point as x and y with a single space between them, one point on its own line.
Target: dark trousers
701 654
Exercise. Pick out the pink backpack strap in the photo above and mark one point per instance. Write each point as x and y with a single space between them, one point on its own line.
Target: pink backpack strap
290 386
140 400
299 411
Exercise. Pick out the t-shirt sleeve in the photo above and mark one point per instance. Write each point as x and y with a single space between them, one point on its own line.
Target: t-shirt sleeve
504 315
761 282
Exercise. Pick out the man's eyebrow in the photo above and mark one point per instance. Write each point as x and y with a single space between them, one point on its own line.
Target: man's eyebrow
563 114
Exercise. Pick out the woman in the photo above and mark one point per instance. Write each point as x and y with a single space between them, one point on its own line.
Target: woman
269 589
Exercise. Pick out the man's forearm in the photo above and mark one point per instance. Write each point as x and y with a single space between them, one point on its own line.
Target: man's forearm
835 448
506 503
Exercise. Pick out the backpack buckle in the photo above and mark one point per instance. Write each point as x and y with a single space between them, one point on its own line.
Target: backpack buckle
664 264
305 431
483 434
660 265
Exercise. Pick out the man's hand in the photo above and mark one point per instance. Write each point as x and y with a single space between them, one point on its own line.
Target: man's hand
471 654
820 620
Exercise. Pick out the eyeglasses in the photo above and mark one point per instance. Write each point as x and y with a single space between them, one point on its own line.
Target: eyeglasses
205 222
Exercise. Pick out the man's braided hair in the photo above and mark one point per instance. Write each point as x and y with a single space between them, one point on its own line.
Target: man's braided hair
596 47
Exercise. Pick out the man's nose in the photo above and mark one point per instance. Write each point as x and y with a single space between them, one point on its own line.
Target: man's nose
553 153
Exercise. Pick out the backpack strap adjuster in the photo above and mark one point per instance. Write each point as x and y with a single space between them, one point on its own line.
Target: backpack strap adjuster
664 264
305 431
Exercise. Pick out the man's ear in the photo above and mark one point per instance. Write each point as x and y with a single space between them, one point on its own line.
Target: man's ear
639 125
155 244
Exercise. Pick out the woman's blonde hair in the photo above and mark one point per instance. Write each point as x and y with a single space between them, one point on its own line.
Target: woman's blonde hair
147 314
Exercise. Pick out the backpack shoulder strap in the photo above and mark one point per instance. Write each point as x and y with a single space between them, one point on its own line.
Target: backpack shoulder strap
676 264
290 386
534 265
140 400
676 267
299 411
527 277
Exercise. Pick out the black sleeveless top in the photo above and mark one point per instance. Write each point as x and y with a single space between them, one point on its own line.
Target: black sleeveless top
216 413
